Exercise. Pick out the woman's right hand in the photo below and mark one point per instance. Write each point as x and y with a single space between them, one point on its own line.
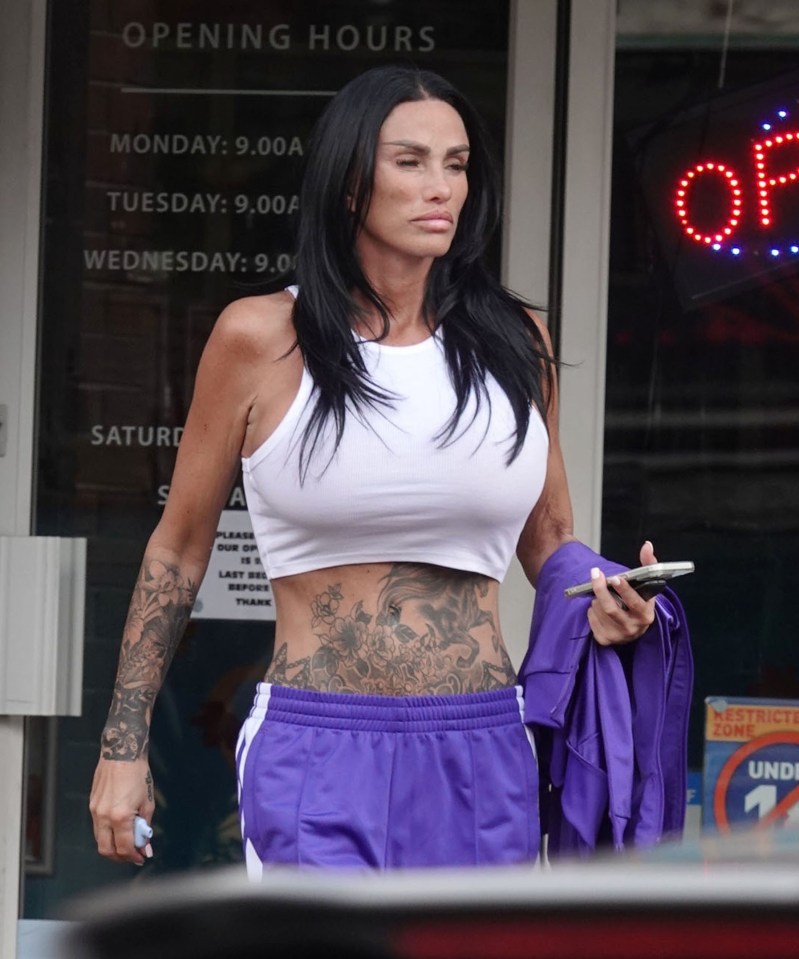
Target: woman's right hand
120 792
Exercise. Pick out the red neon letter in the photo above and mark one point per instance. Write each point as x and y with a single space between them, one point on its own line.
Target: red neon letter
683 194
764 180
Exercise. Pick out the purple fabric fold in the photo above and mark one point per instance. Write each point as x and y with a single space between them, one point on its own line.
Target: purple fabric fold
612 721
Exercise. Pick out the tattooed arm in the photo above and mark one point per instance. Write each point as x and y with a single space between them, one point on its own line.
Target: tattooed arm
123 786
160 607
550 525
239 373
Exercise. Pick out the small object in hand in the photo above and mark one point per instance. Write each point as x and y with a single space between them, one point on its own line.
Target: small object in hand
142 832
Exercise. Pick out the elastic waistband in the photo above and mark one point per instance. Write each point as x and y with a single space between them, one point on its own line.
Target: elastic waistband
309 707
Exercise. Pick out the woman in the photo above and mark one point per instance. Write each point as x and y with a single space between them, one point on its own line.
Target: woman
396 418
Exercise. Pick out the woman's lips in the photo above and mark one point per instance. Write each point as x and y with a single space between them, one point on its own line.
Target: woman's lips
439 221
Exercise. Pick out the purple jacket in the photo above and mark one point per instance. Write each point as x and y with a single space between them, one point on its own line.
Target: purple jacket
610 722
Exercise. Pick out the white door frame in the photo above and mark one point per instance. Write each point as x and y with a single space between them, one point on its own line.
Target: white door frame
586 227
584 295
526 223
22 54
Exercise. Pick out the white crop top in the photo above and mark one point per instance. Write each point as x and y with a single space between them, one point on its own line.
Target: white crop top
392 492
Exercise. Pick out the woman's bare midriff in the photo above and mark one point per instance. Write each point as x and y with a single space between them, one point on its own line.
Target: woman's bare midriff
392 629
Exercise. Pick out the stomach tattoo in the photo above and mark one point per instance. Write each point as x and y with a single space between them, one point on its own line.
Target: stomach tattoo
429 635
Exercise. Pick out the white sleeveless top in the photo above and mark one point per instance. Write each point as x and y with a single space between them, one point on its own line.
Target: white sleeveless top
392 492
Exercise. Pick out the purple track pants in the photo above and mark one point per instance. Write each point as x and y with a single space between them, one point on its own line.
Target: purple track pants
338 780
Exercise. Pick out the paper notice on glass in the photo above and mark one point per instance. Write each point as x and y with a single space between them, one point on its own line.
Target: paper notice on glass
235 586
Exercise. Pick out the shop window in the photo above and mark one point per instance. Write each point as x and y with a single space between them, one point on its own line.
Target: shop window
702 414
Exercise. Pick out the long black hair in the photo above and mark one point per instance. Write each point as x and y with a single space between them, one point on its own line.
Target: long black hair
486 328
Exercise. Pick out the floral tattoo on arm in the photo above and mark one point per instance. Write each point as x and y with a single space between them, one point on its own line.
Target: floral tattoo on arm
159 610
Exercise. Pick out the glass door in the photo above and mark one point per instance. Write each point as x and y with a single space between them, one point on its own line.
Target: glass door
174 144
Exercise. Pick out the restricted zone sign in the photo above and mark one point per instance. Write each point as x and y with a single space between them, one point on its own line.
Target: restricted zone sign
751 774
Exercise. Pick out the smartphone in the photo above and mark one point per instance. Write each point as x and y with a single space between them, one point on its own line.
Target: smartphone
647 581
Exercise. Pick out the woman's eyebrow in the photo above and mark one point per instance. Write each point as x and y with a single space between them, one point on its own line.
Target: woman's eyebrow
425 150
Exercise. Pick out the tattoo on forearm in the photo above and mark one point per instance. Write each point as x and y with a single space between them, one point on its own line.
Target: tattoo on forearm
149 780
158 613
359 652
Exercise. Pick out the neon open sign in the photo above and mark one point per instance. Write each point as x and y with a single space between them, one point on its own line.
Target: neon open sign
711 199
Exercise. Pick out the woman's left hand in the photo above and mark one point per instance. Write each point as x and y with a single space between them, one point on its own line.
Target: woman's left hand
610 621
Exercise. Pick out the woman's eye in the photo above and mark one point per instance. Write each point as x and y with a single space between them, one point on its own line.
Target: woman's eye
459 167
409 162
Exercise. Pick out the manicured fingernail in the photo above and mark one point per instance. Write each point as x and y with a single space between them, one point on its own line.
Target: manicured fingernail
614 581
148 851
594 572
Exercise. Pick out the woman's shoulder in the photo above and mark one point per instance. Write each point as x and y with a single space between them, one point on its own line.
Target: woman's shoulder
533 319
257 324
540 325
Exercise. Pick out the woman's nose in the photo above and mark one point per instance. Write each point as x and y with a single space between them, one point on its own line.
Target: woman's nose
437 187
